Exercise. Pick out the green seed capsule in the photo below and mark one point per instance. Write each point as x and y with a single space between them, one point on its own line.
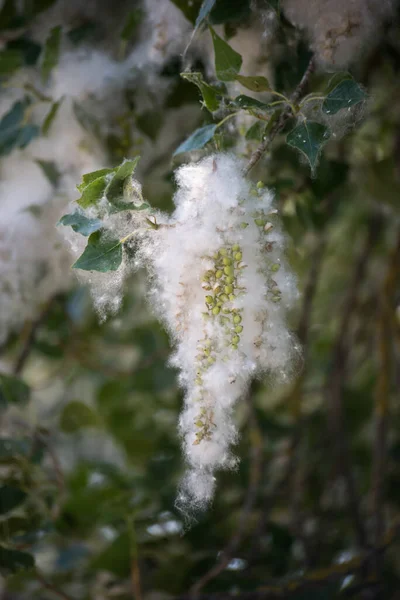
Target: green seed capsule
276 299
238 329
216 310
211 360
228 270
260 184
234 346
218 274
243 225
209 300
238 256
232 297
275 267
199 424
219 303
260 222
223 251
235 339
223 297
228 289
230 279
236 248
227 261
226 311
237 319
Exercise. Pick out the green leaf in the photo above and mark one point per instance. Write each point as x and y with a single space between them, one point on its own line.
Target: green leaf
77 415
80 223
208 92
204 11
13 391
51 52
10 61
90 177
227 61
115 188
13 134
346 94
10 498
12 561
309 138
255 84
51 115
49 168
251 104
197 140
102 253
93 192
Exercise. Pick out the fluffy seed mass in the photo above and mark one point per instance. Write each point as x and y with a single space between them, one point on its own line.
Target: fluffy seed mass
221 286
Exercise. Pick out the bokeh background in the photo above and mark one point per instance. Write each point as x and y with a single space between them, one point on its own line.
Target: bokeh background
90 458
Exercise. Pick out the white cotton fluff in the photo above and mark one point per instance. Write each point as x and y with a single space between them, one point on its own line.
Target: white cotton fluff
340 30
221 285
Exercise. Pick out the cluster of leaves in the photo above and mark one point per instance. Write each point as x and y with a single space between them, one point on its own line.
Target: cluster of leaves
308 136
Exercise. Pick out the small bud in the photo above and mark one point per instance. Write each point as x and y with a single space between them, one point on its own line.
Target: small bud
228 289
236 248
234 346
226 311
228 270
235 339
237 319
238 256
209 300
216 310
260 184
275 267
223 251
238 329
224 297
232 297
218 274
227 261
259 221
243 225
199 424
211 360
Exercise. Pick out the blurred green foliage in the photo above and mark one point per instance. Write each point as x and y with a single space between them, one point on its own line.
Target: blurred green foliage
91 463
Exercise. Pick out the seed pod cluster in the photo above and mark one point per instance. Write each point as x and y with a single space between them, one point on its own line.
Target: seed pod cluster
221 285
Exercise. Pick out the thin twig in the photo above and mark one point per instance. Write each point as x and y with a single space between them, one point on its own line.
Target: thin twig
283 118
336 378
386 310
251 495
313 580
49 586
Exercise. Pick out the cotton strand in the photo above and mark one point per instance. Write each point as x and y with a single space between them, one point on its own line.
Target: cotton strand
221 285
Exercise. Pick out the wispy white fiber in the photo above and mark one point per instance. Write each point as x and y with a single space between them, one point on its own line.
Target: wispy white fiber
221 285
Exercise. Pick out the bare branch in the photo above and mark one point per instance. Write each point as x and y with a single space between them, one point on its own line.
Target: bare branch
282 120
